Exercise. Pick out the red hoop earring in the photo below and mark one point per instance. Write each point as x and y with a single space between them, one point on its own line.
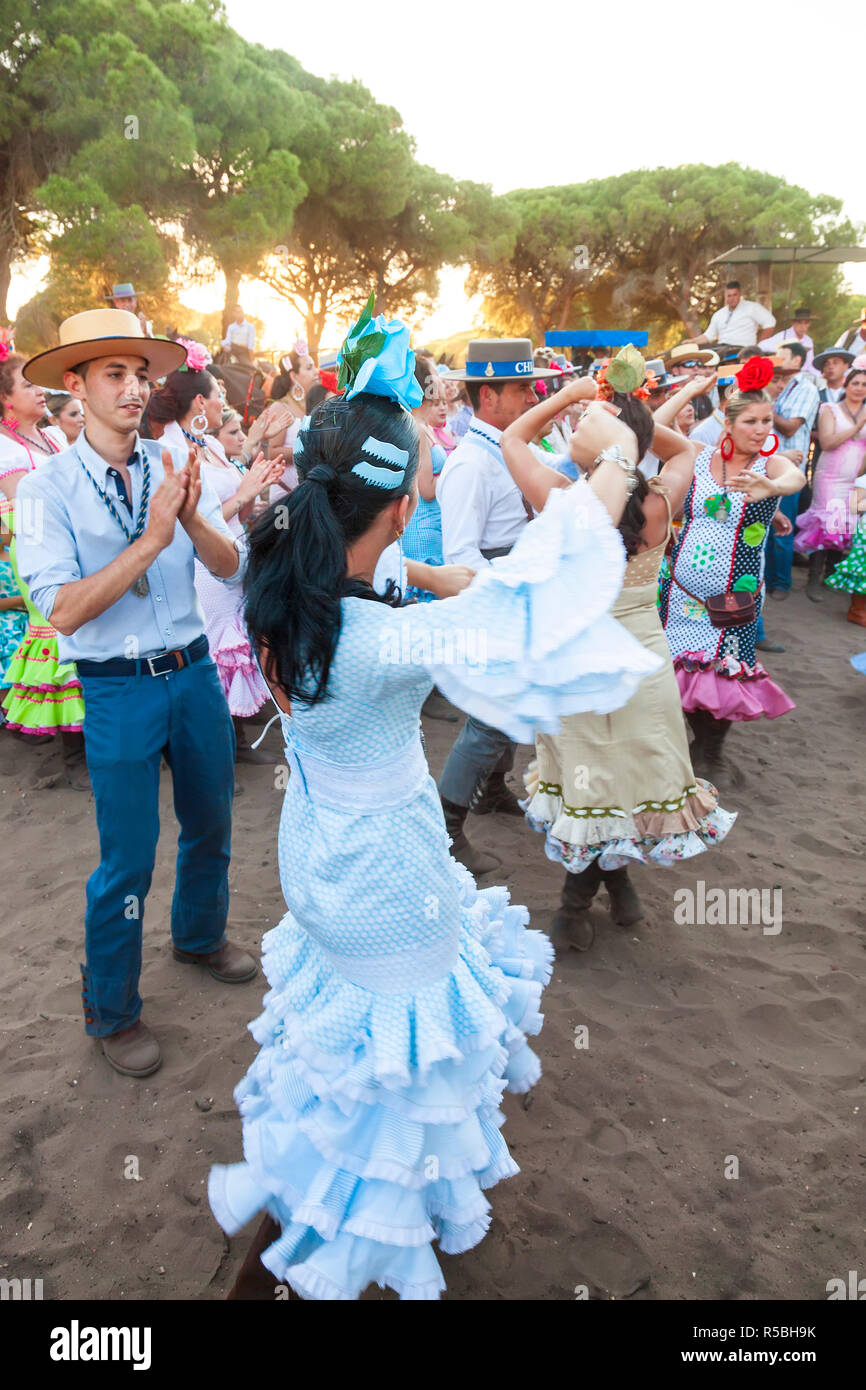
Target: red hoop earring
727 440
765 453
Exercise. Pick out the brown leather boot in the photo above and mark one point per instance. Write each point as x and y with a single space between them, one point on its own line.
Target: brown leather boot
570 919
133 1051
227 963
625 908
477 861
857 610
815 583
495 796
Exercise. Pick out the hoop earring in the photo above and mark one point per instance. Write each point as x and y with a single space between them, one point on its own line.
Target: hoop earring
298 393
729 454
194 422
765 453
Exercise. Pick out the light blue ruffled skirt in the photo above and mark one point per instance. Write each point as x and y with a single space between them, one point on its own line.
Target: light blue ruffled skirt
371 1122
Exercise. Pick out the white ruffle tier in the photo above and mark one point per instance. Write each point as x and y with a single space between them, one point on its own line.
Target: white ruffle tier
371 1121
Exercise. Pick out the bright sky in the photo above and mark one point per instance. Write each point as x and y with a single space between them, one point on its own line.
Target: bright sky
520 96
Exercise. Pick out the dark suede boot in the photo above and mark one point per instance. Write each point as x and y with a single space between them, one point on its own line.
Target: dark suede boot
625 908
495 796
477 861
815 583
570 919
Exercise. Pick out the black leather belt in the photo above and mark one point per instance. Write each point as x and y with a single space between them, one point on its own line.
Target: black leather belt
161 665
497 552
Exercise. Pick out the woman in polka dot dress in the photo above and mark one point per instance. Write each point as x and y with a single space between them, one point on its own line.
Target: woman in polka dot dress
720 550
401 996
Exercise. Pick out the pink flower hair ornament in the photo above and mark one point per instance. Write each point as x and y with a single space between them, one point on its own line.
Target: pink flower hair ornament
197 356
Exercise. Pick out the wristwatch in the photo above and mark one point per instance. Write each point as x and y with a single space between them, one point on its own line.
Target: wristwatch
615 454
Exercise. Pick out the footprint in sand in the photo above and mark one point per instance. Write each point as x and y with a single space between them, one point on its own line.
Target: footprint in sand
610 1139
609 1262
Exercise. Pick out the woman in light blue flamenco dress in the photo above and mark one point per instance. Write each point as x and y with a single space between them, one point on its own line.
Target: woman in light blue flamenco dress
400 995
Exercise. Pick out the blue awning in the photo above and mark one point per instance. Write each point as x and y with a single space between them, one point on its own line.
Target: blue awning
596 337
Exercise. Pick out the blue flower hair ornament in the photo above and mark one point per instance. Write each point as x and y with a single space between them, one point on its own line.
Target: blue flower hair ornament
377 357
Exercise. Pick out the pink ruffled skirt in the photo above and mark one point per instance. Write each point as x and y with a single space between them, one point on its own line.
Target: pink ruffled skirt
747 694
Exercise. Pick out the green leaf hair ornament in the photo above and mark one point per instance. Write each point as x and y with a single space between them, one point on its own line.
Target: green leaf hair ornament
627 371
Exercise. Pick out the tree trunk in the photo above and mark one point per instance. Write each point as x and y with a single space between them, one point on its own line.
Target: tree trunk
233 281
5 277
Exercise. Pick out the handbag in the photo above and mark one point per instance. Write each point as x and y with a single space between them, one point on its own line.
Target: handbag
725 610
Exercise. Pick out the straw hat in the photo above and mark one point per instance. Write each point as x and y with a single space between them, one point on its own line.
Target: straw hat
690 352
100 333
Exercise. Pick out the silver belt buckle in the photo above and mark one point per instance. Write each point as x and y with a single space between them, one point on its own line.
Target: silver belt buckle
151 659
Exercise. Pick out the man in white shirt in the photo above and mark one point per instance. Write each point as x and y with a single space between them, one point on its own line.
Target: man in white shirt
854 339
240 339
742 322
797 333
483 513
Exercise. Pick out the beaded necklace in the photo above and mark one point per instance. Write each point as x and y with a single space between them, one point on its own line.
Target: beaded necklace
141 587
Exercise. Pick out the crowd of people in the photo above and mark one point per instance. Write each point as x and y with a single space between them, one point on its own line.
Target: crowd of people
575 554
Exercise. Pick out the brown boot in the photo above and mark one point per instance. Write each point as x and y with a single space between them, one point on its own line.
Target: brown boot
625 908
477 861
496 796
133 1051
570 919
857 610
815 584
227 963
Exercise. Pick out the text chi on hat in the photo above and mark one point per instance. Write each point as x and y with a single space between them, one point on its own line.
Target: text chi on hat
102 333
501 359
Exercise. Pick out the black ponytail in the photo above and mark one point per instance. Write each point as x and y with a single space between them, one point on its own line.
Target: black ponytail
639 419
296 575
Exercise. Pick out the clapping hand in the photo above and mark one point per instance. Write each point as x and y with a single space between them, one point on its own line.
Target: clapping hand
167 502
192 473
261 474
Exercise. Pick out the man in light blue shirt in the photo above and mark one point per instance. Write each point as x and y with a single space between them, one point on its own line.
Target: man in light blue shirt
106 538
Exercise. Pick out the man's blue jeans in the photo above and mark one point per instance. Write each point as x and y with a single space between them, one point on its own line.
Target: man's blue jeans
780 549
129 724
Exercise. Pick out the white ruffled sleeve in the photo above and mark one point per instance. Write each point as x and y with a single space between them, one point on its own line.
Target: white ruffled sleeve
531 639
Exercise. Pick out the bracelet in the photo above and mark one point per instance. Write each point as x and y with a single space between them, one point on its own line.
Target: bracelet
614 454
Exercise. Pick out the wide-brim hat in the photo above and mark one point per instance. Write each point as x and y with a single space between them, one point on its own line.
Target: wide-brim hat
100 333
821 358
690 352
124 291
501 359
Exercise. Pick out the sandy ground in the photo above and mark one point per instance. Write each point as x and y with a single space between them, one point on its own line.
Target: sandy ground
706 1044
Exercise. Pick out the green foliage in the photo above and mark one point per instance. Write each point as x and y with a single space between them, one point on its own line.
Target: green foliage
146 139
649 237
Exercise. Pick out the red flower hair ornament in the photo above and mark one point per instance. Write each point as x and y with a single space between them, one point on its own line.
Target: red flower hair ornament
755 374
